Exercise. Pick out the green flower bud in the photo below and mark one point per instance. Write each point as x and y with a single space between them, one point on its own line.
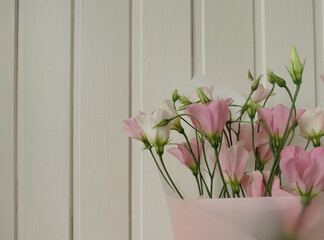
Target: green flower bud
280 82
295 66
175 95
202 96
184 100
256 83
270 77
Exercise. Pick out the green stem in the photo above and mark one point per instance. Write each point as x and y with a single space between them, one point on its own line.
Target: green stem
266 100
167 173
253 146
281 145
158 166
199 190
307 144
220 172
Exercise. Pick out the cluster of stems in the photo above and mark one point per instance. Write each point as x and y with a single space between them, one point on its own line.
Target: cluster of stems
205 172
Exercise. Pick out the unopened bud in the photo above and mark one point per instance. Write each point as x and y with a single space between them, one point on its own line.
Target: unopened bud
295 66
175 95
280 82
184 100
202 96
256 83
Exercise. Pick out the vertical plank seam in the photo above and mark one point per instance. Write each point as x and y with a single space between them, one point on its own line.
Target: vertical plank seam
129 114
71 180
263 37
15 174
203 38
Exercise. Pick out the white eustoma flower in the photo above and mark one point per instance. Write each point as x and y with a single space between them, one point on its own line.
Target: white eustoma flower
167 106
158 136
311 123
260 94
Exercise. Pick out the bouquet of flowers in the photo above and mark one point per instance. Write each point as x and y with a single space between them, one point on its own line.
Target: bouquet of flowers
236 134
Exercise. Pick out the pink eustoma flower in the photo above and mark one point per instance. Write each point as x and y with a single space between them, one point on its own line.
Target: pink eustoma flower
304 171
212 116
264 153
132 129
233 161
254 186
277 117
184 156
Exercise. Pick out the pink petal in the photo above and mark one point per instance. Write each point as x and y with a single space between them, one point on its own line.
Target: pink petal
202 113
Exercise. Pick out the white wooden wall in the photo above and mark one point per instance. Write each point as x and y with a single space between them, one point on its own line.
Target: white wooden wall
72 70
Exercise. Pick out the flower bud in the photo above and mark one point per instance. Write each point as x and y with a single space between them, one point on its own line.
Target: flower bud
295 66
256 83
184 100
202 96
270 77
274 78
175 95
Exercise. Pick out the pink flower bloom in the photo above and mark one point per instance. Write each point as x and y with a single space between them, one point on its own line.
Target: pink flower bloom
254 186
311 123
212 116
182 153
277 117
132 129
264 153
260 94
233 161
305 172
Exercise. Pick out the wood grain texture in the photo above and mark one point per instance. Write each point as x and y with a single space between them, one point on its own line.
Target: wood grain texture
161 62
44 119
101 100
7 108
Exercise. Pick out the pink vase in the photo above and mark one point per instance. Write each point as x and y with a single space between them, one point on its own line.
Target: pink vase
268 218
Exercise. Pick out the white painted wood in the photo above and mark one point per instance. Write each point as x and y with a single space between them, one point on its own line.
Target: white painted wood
7 109
319 50
229 42
44 120
286 23
161 62
102 81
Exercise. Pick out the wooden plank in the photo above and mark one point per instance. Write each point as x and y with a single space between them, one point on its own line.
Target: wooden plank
161 62
319 50
229 42
101 149
44 119
285 27
7 109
